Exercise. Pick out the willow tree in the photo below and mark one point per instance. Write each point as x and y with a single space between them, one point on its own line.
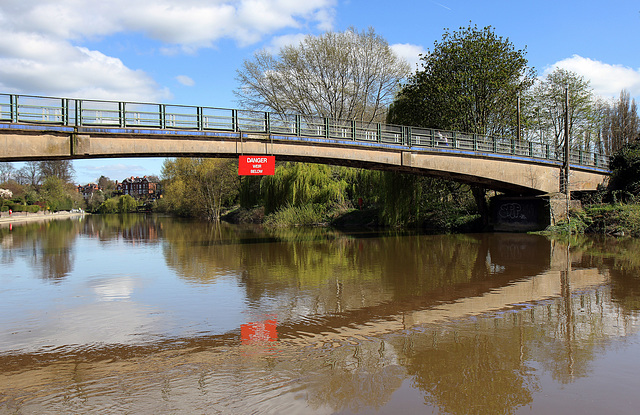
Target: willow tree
469 82
345 75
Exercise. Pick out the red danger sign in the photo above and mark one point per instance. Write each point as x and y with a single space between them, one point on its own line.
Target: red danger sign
256 165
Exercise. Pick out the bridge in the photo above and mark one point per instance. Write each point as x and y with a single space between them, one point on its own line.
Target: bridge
48 128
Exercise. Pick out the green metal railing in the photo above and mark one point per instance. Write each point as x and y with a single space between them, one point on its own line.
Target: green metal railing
111 114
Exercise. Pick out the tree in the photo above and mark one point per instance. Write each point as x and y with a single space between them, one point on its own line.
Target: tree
469 82
546 106
62 169
300 184
625 168
346 75
621 123
6 171
30 174
200 187
56 194
127 204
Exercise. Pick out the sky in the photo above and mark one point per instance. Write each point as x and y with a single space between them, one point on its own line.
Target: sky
188 51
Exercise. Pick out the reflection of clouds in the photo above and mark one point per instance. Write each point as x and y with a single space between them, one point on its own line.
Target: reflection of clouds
89 325
111 289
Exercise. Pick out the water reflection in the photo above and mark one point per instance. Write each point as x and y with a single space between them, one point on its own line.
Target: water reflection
236 320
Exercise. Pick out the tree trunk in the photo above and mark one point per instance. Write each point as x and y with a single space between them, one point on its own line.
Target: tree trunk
480 195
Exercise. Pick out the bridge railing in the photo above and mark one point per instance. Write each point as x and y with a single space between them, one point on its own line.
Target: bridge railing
110 114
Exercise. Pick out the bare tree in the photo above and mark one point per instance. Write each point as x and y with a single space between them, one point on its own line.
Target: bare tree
62 169
346 75
546 108
30 175
621 123
6 171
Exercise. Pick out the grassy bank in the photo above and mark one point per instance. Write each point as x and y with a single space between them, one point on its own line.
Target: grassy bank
341 217
618 219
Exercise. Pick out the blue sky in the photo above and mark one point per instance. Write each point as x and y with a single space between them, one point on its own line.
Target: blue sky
188 51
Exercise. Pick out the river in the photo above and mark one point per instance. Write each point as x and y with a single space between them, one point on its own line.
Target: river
149 314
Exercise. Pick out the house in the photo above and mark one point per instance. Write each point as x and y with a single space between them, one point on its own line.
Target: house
137 187
88 190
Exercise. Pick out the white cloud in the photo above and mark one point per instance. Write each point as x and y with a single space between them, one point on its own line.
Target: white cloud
35 64
607 80
185 80
410 53
279 42
40 39
194 23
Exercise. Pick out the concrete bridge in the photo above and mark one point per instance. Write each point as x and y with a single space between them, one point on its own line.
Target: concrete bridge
39 128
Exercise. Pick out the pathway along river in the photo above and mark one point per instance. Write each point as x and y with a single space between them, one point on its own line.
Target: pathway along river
135 314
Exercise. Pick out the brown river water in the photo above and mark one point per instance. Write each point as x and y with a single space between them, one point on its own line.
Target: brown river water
144 314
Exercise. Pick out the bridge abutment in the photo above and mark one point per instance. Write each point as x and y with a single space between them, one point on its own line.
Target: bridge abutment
528 213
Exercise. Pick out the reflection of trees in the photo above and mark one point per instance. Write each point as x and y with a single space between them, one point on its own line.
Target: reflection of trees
472 369
619 257
50 245
361 376
135 228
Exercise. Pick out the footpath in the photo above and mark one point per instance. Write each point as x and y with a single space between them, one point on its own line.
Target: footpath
19 217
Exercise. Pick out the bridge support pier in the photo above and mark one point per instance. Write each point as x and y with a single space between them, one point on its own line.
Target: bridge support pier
528 213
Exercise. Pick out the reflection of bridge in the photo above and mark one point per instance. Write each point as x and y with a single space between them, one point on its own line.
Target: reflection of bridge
36 128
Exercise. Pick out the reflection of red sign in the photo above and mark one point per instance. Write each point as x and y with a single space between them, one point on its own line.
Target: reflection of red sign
263 331
256 165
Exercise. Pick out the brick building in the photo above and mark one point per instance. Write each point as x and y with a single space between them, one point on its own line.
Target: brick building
137 187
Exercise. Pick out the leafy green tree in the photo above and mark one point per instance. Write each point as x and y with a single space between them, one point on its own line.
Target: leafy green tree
56 194
469 82
200 187
347 75
625 167
127 204
109 206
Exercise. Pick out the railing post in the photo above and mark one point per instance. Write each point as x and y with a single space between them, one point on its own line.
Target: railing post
432 138
327 131
475 142
234 120
580 156
353 130
547 151
530 149
65 111
199 119
163 116
13 104
298 125
379 132
495 144
513 146
78 112
122 114
409 136
454 141
267 123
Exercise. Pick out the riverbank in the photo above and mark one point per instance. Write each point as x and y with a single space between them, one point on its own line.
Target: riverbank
21 217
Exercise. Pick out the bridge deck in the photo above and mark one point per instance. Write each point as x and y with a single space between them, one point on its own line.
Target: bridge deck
48 128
